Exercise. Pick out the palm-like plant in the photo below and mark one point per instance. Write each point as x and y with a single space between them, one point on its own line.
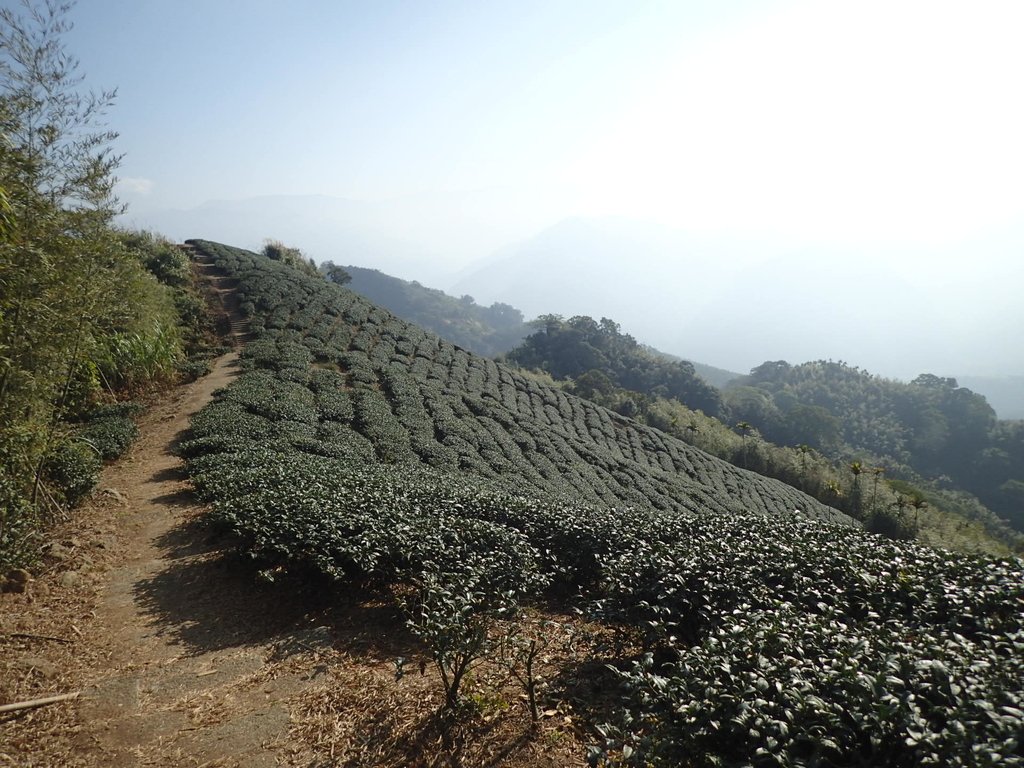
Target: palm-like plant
918 504
877 472
745 428
856 468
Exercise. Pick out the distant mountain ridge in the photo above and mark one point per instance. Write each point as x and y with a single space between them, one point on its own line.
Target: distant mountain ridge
716 377
731 301
417 236
735 301
488 331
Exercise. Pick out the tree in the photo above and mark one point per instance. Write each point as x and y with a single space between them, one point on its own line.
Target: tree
49 120
570 348
856 504
754 405
811 425
770 372
56 166
1013 491
594 385
877 472
72 296
550 324
334 273
503 315
745 428
5 214
918 504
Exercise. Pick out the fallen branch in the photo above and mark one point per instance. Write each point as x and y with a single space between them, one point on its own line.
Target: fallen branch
30 636
19 705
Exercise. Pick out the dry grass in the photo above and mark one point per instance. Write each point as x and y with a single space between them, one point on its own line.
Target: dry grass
375 713
363 716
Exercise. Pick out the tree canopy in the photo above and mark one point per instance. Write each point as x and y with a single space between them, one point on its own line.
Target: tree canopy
569 349
932 426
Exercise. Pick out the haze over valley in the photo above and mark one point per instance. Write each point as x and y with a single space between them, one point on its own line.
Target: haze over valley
719 298
733 184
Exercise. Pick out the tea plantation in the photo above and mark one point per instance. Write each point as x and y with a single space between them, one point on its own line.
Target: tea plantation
761 627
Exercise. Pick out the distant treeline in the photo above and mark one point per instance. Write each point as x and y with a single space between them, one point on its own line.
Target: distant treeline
931 426
603 361
488 331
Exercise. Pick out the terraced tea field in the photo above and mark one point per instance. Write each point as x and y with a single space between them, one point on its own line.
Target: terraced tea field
336 376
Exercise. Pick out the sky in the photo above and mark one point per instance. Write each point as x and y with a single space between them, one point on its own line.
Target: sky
882 138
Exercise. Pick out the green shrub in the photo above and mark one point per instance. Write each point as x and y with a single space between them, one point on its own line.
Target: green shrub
466 574
891 524
110 435
786 688
74 468
136 358
125 408
195 368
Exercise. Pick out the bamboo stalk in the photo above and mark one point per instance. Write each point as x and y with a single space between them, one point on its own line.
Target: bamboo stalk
31 704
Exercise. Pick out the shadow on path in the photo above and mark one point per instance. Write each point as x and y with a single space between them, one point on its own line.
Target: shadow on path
207 597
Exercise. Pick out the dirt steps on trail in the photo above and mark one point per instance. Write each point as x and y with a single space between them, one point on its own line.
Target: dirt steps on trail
232 322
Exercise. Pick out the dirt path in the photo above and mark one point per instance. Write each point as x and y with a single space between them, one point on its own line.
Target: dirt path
176 660
160 691
179 658
224 300
183 659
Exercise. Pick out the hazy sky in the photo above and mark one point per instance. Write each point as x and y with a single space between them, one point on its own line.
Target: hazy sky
888 132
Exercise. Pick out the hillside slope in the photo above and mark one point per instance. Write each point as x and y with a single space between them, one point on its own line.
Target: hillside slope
358 453
351 379
488 331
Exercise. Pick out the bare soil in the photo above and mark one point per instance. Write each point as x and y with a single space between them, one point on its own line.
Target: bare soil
181 657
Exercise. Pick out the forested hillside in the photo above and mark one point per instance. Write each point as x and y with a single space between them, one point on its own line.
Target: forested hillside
716 377
930 427
598 356
488 331
364 449
595 360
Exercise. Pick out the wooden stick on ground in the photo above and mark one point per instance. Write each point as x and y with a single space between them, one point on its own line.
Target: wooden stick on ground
29 636
38 702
